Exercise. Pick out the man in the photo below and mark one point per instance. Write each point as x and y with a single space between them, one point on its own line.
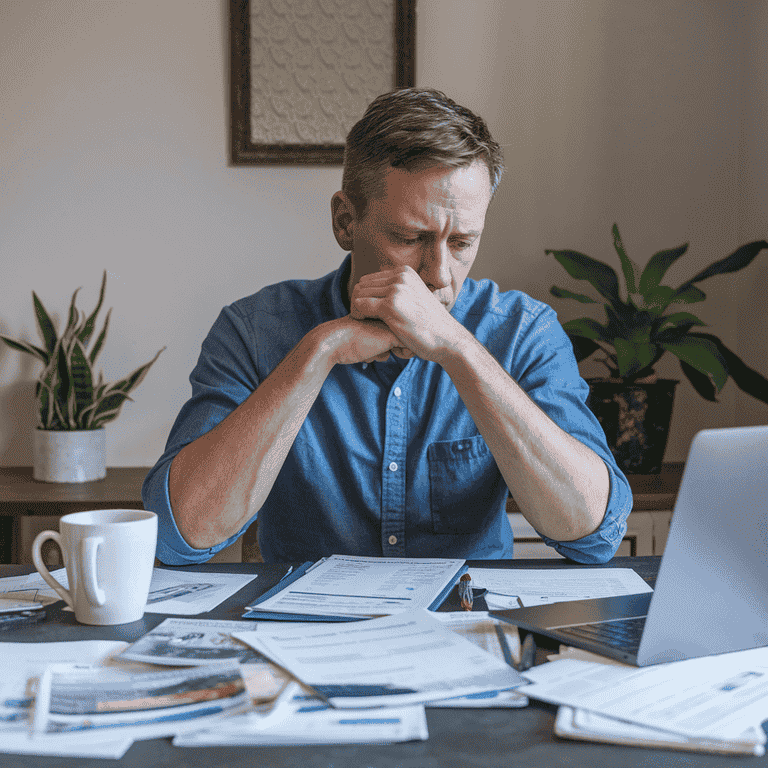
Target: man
391 406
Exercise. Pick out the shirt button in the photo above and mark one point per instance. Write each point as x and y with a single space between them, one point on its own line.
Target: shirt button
398 391
393 540
393 466
365 365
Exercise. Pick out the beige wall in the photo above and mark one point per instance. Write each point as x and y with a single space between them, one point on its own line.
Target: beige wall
113 154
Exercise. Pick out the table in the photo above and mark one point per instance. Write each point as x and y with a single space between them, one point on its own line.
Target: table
22 499
457 738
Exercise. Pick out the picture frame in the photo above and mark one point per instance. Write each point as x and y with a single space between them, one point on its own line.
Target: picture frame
248 84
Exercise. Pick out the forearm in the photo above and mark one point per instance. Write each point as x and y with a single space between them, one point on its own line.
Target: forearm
219 481
560 485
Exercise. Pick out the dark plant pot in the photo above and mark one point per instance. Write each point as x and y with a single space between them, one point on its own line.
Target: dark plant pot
635 419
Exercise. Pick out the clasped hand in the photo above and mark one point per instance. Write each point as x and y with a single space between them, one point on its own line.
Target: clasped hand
417 320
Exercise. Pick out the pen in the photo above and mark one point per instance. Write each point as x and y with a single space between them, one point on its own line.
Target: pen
465 592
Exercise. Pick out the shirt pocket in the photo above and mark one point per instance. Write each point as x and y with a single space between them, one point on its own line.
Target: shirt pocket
463 483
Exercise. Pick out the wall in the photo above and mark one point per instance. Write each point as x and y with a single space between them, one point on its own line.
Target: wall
113 155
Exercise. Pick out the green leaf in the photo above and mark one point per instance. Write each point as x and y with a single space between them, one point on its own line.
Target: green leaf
90 323
100 339
586 327
582 267
111 397
82 379
23 346
627 265
74 314
688 294
583 348
701 383
672 328
562 293
107 408
746 378
633 356
657 267
703 355
130 382
739 259
44 324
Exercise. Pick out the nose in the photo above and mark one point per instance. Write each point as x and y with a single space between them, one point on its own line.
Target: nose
435 266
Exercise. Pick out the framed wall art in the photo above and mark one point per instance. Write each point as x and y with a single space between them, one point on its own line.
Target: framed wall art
303 72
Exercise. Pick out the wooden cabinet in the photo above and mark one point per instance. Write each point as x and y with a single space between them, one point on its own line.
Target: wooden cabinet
28 507
647 527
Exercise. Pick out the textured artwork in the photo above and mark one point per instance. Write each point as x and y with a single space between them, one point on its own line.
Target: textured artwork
315 66
303 72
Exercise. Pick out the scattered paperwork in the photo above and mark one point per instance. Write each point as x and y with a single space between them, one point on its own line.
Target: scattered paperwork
483 631
523 587
397 660
583 725
721 697
184 593
92 702
23 663
310 720
190 642
347 586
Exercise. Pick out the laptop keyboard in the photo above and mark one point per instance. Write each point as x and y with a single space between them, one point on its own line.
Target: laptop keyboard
622 633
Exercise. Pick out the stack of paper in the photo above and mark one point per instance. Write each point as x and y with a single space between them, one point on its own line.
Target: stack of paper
715 703
307 719
97 702
23 663
346 587
176 592
522 587
391 661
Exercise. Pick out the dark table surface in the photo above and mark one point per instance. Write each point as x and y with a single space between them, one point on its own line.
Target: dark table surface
458 738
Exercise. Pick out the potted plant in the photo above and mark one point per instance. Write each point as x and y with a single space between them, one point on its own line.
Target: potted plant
645 322
72 404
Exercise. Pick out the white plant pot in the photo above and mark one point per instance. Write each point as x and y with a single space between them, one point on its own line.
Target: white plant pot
76 456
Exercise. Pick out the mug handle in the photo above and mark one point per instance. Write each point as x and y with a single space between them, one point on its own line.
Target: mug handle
37 559
88 549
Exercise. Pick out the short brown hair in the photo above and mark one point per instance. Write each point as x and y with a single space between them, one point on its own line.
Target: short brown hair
414 128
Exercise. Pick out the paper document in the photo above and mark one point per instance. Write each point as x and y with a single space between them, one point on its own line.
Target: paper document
190 642
715 697
95 702
22 665
589 726
480 629
312 721
391 661
523 587
179 592
345 585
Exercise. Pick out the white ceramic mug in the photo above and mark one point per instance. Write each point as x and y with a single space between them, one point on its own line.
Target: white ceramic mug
109 555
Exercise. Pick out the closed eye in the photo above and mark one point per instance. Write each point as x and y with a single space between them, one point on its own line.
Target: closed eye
406 240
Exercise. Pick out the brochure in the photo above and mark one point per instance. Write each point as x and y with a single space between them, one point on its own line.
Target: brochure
23 663
192 642
102 702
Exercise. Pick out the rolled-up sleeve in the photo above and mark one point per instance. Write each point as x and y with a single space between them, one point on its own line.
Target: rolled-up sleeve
225 375
547 370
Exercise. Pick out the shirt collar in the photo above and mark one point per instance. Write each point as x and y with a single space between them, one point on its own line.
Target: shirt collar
339 282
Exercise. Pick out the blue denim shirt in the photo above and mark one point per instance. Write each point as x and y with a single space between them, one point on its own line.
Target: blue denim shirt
388 461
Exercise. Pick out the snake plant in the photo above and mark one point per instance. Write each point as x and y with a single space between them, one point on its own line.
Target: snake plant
641 327
69 396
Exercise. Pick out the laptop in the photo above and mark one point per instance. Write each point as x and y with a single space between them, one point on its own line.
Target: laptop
711 592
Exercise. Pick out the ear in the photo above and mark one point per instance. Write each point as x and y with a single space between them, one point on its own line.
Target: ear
343 220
